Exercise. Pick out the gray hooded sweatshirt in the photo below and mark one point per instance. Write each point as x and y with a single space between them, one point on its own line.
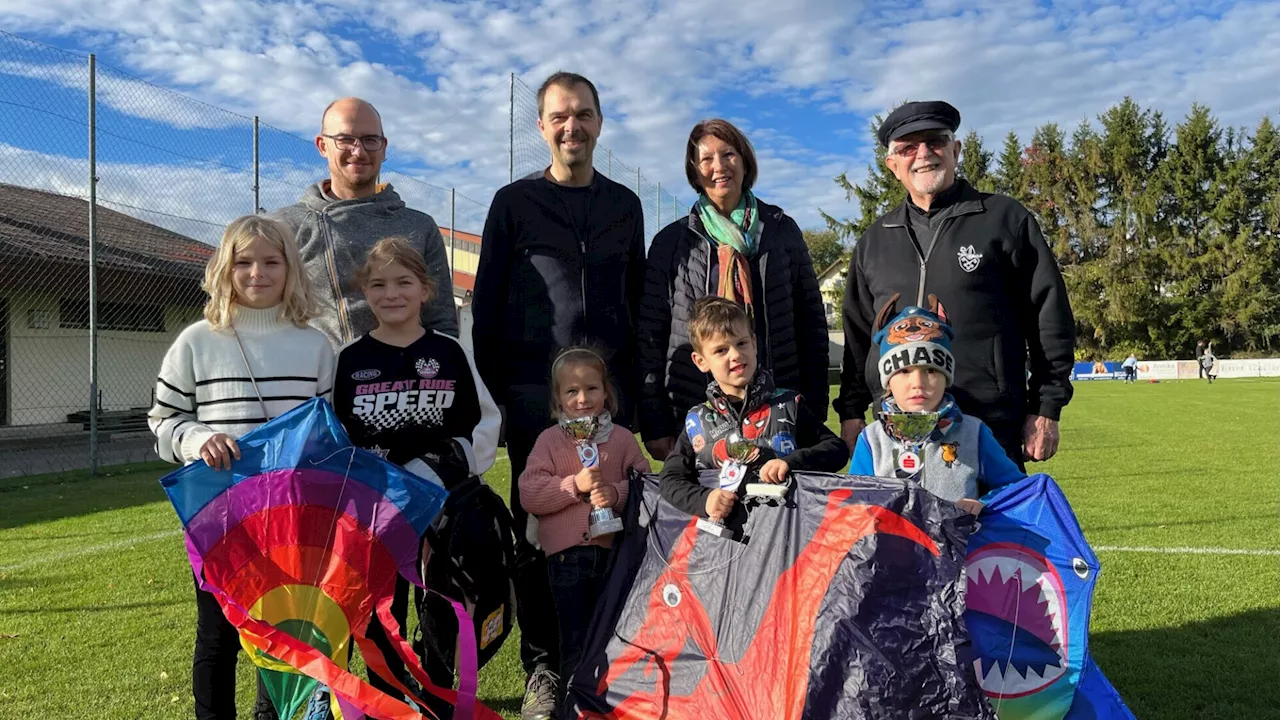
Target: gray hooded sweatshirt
334 236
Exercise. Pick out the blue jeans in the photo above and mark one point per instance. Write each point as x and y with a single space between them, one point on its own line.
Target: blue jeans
577 577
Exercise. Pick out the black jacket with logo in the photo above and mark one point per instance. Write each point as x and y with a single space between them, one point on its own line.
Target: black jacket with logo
544 283
1003 294
416 401
778 422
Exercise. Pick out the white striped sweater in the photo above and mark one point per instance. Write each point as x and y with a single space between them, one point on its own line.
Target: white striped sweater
203 387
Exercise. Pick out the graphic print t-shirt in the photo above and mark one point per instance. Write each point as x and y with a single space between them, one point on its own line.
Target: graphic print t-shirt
399 402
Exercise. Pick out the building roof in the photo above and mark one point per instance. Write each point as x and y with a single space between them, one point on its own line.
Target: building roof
834 268
36 226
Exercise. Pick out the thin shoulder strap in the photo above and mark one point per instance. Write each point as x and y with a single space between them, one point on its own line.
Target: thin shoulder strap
248 369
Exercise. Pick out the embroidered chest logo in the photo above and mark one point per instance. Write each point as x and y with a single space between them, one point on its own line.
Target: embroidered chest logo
969 259
427 368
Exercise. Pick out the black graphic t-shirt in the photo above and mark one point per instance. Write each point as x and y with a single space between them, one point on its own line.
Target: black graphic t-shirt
405 402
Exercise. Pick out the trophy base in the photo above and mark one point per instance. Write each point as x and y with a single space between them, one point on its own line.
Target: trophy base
767 490
716 529
605 527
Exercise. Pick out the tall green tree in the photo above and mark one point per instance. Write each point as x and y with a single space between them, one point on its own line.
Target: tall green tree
1192 254
975 163
1009 173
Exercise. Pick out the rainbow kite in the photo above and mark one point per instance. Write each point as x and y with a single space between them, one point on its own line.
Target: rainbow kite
301 542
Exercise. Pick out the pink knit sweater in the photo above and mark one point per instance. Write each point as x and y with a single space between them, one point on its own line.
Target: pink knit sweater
547 490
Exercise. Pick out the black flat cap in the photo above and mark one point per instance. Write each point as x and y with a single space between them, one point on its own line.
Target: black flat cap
917 116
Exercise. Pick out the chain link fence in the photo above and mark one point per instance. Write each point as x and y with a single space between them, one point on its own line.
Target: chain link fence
169 172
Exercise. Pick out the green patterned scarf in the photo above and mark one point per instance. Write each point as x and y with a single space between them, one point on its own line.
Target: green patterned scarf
740 231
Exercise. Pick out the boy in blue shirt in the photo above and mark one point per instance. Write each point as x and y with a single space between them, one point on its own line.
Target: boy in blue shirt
921 434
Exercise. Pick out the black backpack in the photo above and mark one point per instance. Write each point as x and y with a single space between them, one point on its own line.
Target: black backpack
473 561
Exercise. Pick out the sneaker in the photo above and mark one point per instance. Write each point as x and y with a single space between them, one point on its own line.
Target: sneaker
540 693
318 705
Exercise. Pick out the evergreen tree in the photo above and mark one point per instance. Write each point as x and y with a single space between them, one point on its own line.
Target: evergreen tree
975 163
1009 170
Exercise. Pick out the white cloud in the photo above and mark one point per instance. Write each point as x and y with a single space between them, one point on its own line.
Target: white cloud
439 76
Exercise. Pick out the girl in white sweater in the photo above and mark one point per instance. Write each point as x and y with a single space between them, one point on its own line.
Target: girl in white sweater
252 358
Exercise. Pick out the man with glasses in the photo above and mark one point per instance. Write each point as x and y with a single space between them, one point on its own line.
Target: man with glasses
985 259
339 219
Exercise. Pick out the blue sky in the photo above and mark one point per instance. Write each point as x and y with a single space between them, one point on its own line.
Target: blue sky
802 78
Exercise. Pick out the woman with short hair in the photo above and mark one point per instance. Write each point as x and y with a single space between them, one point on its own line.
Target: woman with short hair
736 246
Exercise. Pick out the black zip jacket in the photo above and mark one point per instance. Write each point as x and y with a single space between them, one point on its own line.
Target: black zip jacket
791 325
544 284
776 421
1002 291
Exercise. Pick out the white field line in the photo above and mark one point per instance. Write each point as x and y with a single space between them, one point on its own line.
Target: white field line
1186 550
91 550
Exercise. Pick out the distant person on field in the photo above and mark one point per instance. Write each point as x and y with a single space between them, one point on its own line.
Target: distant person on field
1130 368
339 219
1200 357
1209 364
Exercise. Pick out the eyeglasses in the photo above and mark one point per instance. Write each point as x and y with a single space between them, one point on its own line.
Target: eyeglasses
372 143
935 144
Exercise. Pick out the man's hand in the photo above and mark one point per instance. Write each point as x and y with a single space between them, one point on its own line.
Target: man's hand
659 449
774 471
218 451
1039 438
604 496
973 507
850 430
719 504
587 479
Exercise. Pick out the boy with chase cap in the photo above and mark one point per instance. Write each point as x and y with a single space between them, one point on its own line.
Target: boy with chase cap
921 434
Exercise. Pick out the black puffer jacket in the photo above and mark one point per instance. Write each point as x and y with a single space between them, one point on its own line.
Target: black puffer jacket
791 325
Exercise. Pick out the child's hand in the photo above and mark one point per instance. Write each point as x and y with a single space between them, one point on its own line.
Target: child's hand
720 503
218 451
604 496
973 507
587 479
774 471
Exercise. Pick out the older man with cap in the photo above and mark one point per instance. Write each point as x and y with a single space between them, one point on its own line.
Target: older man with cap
985 259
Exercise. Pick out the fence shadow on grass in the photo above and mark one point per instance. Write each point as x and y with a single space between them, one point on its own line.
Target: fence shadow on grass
43 498
1217 669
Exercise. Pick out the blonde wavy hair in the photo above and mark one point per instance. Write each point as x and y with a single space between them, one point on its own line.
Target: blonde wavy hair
297 306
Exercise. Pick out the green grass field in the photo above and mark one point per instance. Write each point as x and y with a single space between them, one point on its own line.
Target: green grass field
97 618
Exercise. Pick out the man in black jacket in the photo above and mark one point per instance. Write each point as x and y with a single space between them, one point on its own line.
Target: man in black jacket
561 264
984 257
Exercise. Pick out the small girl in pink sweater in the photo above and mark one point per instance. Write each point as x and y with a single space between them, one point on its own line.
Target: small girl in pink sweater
561 493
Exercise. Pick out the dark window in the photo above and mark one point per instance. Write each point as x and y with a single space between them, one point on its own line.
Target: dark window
466 245
74 314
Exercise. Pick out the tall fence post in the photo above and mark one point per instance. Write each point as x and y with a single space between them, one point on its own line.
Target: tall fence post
658 196
511 133
453 222
257 206
93 264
